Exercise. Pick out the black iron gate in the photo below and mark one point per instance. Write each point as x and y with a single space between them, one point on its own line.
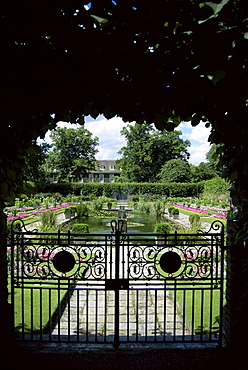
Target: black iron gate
118 287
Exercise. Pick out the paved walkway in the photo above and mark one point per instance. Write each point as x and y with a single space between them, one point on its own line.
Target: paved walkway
145 315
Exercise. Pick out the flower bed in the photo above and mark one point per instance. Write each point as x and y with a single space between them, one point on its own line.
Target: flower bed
40 210
204 211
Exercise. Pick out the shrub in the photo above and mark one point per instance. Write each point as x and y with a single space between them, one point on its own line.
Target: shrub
159 208
175 211
82 210
48 220
80 228
194 219
134 198
161 228
70 210
97 204
170 209
109 204
138 189
144 207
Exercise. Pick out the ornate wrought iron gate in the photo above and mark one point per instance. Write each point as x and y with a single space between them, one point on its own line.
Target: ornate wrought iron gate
118 287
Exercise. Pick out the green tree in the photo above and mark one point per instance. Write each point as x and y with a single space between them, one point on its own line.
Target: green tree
175 170
34 169
204 171
213 157
73 153
147 150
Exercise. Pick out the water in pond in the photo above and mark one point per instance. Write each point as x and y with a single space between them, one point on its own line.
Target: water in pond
137 222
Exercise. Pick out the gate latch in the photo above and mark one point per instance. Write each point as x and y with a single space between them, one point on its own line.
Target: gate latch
117 284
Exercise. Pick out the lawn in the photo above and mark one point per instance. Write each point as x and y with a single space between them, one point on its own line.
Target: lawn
39 302
36 305
201 306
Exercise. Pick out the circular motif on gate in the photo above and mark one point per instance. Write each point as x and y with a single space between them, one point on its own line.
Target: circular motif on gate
63 261
170 262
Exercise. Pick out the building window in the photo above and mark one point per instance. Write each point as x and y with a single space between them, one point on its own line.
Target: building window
102 167
111 178
101 177
112 167
91 177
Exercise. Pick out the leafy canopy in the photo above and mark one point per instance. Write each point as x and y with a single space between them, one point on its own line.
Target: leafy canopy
73 153
175 170
147 150
154 61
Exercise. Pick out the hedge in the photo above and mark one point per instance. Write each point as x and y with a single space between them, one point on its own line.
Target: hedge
113 190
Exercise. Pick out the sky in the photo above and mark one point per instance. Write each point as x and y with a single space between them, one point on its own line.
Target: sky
110 139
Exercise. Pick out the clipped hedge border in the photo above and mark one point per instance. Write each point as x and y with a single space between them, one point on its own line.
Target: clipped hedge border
113 189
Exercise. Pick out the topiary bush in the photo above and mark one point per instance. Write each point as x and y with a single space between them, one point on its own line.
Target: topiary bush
170 209
175 213
80 228
70 210
194 219
162 228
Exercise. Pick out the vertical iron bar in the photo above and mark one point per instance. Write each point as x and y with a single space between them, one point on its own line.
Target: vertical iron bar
87 315
96 317
77 314
137 315
40 289
69 311
202 312
22 310
12 259
128 313
22 278
117 292
211 290
32 312
105 316
49 311
146 311
165 311
155 315
211 312
175 310
193 313
184 314
110 259
221 284
58 296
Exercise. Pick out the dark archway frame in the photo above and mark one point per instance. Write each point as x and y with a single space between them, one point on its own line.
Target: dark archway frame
160 62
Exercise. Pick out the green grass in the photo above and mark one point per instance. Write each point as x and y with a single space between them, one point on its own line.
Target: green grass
201 307
35 307
36 302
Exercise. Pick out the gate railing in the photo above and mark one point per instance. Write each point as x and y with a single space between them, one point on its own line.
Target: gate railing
118 287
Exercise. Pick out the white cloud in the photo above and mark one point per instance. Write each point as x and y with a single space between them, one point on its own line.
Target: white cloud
110 139
198 153
198 136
